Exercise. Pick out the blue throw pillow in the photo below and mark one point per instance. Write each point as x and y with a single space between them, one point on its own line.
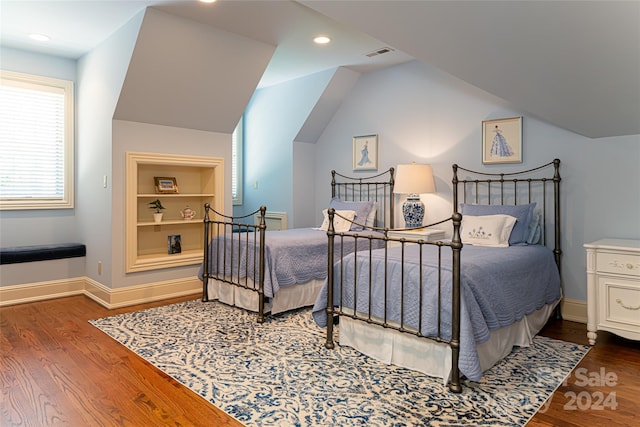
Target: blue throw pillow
362 210
522 213
535 230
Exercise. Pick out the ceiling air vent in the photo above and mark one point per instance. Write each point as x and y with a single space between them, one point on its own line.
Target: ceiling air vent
380 51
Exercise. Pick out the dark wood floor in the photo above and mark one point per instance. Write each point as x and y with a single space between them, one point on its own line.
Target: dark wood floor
57 369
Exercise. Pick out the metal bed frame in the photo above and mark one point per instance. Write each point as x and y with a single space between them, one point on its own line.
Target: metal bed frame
368 188
481 187
253 236
230 232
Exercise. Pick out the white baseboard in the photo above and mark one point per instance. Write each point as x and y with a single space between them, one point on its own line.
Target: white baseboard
107 297
574 310
140 294
31 292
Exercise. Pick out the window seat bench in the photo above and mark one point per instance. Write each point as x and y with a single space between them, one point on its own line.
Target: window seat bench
17 254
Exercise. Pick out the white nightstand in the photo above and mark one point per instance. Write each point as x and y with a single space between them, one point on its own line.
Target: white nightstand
426 234
613 288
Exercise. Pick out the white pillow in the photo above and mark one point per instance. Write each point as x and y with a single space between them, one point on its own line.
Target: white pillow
339 225
487 230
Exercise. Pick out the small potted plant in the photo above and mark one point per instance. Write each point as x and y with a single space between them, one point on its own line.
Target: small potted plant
157 205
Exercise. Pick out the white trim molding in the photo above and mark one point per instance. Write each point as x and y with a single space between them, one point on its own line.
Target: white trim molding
107 297
574 310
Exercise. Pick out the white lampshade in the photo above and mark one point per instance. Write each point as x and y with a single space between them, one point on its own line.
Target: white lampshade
414 179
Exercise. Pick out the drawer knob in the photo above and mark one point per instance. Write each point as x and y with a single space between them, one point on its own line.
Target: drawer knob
630 266
627 307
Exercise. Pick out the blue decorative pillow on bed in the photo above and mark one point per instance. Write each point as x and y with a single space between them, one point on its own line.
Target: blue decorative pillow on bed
522 213
535 230
362 210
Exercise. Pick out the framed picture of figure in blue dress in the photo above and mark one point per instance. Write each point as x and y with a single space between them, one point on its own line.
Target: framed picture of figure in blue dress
502 140
365 153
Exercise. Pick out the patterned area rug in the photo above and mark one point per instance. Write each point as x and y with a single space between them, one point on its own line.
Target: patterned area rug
279 373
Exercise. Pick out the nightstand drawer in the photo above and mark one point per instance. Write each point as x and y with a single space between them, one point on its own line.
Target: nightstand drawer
622 301
618 263
613 288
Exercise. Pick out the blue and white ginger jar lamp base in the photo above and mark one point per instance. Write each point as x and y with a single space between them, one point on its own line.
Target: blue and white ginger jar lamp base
413 211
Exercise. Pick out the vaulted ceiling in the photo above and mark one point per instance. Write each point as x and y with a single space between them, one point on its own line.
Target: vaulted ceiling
574 64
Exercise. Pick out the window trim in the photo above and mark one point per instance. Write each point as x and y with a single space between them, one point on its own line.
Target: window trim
67 200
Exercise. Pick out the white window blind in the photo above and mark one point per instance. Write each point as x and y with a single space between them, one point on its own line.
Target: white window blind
236 164
36 142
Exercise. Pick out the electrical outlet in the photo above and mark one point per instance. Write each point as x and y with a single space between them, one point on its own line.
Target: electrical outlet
255 185
99 267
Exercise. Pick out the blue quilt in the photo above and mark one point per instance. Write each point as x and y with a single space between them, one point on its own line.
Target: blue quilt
292 256
499 286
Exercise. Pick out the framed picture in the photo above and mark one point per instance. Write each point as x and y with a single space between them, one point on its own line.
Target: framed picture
502 141
175 244
365 153
165 184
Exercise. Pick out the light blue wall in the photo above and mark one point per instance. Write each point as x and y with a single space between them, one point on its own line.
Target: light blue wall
304 171
101 74
427 116
273 118
192 116
38 227
144 137
419 113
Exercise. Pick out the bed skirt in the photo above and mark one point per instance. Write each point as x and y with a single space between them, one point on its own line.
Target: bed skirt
287 298
433 358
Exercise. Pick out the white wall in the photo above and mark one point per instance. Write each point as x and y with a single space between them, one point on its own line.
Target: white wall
424 115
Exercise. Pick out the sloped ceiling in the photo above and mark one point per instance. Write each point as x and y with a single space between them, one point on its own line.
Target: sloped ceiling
291 27
575 64
341 84
190 75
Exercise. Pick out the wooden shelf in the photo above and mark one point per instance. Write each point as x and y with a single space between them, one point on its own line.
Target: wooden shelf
199 180
173 195
195 221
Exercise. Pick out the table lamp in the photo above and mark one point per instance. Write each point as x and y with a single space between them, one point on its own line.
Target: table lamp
414 179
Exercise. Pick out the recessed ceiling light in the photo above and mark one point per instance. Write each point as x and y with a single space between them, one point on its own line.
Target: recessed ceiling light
207 1
39 37
322 39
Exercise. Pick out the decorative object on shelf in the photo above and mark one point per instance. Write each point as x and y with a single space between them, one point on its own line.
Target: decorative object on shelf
502 141
188 213
157 205
165 184
365 153
175 244
414 179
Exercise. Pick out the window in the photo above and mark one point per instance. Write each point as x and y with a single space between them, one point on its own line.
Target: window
236 163
36 142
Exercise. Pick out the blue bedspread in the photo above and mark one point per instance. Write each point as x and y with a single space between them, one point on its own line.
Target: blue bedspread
292 256
499 286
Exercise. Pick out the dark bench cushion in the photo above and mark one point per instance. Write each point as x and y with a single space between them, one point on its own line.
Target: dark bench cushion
41 252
